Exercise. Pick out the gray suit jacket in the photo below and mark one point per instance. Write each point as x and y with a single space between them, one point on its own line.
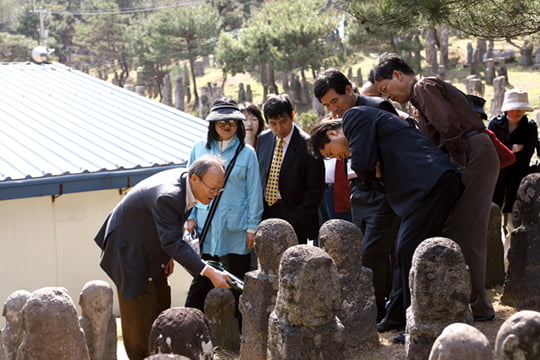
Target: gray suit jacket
144 231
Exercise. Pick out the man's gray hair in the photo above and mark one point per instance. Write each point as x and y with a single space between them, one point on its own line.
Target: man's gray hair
205 162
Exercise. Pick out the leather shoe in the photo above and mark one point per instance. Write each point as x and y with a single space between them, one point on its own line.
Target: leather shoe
387 325
399 339
484 318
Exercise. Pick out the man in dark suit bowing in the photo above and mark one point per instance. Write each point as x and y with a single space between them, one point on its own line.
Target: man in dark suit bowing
420 182
292 179
370 209
141 237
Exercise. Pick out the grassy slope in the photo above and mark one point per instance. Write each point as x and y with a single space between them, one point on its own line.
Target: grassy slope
519 77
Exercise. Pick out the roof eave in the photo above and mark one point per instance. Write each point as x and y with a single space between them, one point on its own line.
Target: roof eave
76 183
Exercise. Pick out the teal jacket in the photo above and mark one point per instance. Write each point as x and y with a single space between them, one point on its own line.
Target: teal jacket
241 204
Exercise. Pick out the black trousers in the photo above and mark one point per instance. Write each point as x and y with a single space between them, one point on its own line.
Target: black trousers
379 225
426 221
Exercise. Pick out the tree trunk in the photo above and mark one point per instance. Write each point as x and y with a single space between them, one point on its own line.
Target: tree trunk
272 78
223 82
192 66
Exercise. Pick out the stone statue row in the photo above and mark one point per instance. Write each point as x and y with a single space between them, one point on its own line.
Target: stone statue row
304 302
307 302
44 325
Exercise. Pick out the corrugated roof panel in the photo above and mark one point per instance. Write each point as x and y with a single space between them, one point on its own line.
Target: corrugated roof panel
55 120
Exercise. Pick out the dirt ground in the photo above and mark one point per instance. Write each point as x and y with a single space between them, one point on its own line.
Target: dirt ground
389 351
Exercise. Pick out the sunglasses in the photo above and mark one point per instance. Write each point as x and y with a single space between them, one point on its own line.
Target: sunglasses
223 123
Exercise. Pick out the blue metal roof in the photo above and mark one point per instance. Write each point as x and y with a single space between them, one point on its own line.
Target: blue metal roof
62 131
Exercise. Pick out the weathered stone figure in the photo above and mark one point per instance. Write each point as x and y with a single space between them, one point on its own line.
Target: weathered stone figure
12 333
241 92
502 70
272 238
249 93
519 337
179 93
490 71
475 65
303 324
474 85
537 58
342 240
183 331
522 282
470 51
499 87
444 34
495 249
431 52
219 307
166 90
460 341
51 327
440 293
97 320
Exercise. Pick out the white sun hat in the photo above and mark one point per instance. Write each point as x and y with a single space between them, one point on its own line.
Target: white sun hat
516 99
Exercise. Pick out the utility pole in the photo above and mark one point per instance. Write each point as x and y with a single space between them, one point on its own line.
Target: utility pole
43 33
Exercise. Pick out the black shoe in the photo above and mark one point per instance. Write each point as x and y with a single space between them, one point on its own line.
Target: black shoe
399 339
387 325
484 318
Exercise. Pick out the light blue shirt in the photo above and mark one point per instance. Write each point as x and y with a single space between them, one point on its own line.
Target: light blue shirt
241 204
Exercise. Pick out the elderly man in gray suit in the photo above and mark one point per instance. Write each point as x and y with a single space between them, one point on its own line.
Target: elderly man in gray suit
143 234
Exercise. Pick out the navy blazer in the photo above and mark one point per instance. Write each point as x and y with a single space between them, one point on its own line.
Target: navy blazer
144 231
376 102
301 179
411 164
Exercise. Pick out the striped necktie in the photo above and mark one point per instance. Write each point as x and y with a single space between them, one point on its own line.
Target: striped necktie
272 185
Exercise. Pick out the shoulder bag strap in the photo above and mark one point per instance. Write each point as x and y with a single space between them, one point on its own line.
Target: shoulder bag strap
217 198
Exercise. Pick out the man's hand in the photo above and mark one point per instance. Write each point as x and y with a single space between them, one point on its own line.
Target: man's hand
517 147
190 225
169 268
250 240
378 172
218 278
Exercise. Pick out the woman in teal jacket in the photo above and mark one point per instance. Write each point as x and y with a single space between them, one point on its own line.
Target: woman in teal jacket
232 228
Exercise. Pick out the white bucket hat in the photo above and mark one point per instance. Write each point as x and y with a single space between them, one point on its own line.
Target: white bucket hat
516 99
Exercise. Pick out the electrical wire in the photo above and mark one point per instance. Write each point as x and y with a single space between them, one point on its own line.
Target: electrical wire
116 11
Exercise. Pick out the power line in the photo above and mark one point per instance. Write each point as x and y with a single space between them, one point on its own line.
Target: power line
116 11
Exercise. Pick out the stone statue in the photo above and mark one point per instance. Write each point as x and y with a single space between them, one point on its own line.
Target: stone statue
342 240
522 282
97 320
437 264
303 324
519 337
219 307
460 341
272 238
51 327
183 331
12 334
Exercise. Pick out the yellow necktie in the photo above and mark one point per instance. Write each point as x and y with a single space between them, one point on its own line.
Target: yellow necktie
272 185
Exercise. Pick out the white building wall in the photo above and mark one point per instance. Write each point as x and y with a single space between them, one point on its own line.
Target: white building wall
50 243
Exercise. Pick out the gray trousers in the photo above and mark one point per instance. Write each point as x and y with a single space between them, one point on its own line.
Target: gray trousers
468 221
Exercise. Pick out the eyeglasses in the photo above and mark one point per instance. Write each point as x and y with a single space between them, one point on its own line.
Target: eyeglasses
223 123
212 190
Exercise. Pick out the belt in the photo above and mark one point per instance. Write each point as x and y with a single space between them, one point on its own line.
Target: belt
329 185
471 133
